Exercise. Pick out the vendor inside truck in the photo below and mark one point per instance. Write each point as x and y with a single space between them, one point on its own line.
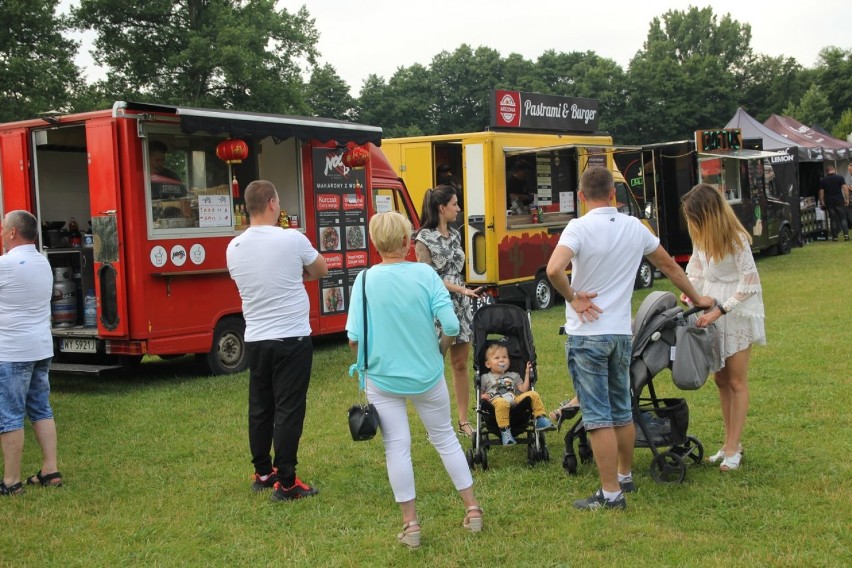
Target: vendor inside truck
519 197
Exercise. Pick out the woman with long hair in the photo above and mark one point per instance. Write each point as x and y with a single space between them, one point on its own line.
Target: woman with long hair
406 362
439 245
723 267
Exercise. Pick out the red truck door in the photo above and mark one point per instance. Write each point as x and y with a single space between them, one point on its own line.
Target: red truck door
15 172
106 209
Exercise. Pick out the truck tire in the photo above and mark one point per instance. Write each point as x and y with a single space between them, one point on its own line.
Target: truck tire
228 352
645 275
544 294
785 241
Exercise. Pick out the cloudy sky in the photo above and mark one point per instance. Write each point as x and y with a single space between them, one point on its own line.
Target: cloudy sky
379 36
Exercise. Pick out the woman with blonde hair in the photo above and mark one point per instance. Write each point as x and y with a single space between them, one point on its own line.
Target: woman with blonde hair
404 361
723 267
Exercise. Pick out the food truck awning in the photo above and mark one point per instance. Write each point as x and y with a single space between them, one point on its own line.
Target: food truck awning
260 125
515 151
740 154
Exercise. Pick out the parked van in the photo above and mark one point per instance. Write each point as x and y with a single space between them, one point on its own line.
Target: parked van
155 194
507 248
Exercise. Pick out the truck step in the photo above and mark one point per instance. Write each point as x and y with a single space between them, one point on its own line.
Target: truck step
81 368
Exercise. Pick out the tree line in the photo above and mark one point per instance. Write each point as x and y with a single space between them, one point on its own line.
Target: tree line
693 71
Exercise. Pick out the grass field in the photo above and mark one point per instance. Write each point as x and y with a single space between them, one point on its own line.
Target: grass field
157 469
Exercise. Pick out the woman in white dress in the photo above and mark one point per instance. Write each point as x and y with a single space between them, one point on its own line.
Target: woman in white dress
723 267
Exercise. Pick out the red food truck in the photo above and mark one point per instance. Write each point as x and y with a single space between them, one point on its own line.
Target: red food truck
138 203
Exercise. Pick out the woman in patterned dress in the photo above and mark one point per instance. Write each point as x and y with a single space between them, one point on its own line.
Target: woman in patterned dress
723 267
440 246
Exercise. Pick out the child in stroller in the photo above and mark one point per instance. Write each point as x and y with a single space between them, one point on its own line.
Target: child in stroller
508 326
505 389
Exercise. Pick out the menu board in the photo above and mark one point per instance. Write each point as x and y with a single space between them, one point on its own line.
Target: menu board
341 216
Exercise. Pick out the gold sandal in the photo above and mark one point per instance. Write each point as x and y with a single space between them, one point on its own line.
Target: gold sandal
464 432
473 524
411 539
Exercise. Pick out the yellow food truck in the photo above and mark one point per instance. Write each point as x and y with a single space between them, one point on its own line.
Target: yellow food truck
507 243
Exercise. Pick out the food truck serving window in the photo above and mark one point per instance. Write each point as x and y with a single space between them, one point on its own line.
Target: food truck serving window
724 174
541 187
187 185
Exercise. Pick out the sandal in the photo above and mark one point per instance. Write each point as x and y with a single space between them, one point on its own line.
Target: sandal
720 455
473 524
465 429
13 491
410 538
731 463
50 480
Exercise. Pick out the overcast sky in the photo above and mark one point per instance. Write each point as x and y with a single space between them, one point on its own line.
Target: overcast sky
379 36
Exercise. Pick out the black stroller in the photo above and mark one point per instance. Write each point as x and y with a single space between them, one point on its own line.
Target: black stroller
510 325
660 422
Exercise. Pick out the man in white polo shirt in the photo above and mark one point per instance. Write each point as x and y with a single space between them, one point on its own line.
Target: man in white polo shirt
26 348
605 248
269 265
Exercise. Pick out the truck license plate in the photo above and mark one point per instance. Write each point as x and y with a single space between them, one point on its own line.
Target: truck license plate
73 345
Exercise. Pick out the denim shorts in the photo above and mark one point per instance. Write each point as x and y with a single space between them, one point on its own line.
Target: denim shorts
600 370
24 389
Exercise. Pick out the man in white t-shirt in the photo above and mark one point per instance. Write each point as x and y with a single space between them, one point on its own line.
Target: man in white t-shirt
26 348
270 265
605 248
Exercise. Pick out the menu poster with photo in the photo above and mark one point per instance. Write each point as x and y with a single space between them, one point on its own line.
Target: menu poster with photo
341 216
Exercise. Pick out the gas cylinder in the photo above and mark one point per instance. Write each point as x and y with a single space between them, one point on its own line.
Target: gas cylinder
90 311
63 303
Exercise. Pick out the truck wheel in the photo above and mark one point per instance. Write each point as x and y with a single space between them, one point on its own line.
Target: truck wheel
228 353
543 293
645 276
785 241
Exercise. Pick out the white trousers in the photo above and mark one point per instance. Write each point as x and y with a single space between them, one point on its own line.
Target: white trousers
433 407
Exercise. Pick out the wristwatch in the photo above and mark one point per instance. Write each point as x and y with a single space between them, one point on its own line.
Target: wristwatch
721 309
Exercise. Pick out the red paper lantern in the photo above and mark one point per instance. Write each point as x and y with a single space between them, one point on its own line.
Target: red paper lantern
232 151
356 157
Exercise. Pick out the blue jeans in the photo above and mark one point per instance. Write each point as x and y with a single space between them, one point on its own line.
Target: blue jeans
600 370
24 390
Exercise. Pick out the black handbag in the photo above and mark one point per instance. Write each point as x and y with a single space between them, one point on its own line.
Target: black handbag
363 418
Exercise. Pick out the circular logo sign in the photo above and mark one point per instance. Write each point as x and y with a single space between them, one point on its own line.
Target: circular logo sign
197 253
178 255
159 256
508 108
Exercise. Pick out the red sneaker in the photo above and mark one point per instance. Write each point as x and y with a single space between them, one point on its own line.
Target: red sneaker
299 490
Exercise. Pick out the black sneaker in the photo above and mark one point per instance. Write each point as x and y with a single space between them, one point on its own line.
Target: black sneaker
264 482
627 486
598 501
298 491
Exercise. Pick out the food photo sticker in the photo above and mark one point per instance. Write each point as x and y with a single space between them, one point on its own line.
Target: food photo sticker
332 299
330 239
355 237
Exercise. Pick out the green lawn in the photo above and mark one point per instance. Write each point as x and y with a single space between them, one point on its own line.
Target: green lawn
157 469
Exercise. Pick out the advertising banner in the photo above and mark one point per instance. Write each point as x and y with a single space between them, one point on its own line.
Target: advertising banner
534 111
341 216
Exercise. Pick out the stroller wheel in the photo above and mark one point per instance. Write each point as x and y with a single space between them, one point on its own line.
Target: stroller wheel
569 463
483 458
532 454
470 458
668 467
545 454
585 453
692 449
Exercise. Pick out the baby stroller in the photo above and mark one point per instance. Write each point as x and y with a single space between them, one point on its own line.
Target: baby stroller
510 325
660 422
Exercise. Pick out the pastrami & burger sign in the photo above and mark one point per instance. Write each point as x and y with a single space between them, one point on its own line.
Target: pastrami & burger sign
534 111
